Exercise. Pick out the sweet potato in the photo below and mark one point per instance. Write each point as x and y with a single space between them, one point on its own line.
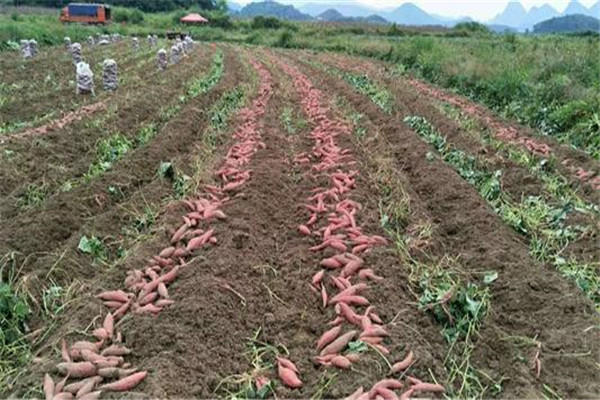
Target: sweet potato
324 295
109 325
167 252
375 330
428 387
341 362
59 387
90 356
404 364
48 387
331 263
114 373
351 268
121 310
85 389
114 295
64 352
356 394
63 396
351 300
317 278
385 384
407 395
149 298
107 363
369 274
148 309
289 377
125 384
164 303
74 387
91 396
116 350
304 230
162 290
77 369
386 393
349 314
180 252
353 357
287 363
328 337
170 276
338 344
179 233
100 334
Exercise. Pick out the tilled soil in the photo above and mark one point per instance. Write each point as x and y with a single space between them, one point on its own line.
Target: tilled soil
256 280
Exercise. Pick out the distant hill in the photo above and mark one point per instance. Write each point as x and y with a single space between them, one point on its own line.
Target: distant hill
513 15
410 14
516 16
235 7
568 24
332 15
273 9
346 8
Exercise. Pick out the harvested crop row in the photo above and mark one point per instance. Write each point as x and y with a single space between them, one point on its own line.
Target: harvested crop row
333 220
147 288
463 224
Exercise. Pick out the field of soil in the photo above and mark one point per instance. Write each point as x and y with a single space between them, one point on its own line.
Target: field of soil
257 223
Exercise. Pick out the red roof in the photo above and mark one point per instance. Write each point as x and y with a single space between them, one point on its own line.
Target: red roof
194 18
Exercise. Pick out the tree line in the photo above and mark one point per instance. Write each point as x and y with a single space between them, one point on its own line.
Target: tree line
144 5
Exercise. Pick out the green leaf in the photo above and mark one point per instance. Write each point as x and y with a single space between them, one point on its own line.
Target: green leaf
84 245
490 277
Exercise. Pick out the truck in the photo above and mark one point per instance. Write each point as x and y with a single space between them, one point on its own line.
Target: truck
86 13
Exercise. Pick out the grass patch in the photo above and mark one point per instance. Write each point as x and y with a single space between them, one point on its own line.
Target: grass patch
262 358
108 152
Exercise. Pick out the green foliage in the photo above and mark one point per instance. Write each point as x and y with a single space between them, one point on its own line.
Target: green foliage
108 151
205 83
13 314
285 39
366 86
126 15
33 196
472 27
261 22
94 247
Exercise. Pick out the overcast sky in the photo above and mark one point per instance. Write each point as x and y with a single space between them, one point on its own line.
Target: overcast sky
477 9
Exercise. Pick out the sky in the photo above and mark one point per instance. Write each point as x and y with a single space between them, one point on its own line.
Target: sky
481 10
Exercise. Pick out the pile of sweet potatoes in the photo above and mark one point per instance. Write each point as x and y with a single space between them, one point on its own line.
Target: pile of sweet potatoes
343 278
86 365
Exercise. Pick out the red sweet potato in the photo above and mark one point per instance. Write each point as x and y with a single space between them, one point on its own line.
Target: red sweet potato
404 364
125 384
48 387
100 334
85 389
77 369
114 372
341 362
162 290
167 252
114 295
338 344
164 303
91 396
428 387
317 278
74 387
64 352
116 350
287 364
304 230
109 325
328 337
324 295
386 393
289 377
63 396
